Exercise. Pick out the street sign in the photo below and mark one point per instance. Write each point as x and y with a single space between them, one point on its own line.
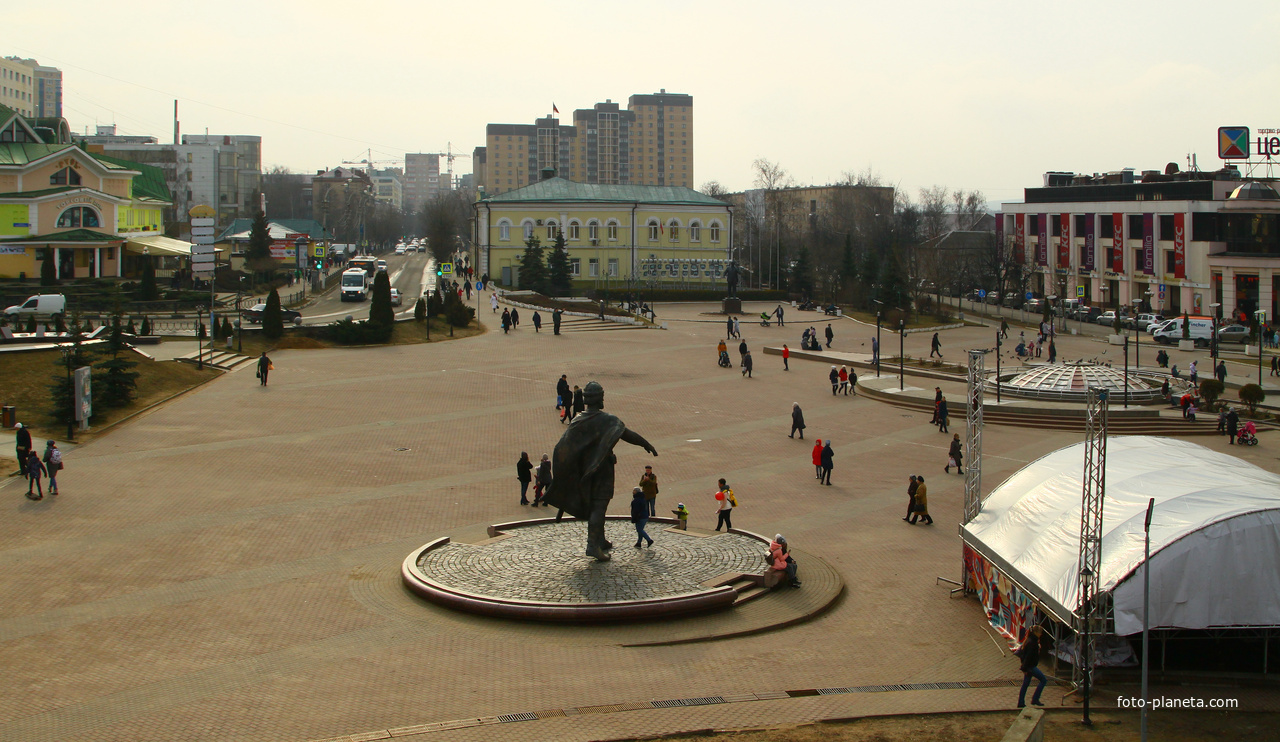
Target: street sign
1030 296
203 221
982 293
446 268
1079 292
201 231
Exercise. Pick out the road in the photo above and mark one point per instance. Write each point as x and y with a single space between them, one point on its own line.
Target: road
412 274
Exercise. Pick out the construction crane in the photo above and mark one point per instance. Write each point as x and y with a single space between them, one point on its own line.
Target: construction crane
369 162
449 156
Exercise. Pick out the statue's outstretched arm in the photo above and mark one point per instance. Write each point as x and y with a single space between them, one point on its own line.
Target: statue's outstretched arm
635 439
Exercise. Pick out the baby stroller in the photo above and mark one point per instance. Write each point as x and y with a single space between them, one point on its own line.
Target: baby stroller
764 319
1248 435
724 359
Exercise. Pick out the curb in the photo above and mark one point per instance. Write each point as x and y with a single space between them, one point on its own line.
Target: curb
591 315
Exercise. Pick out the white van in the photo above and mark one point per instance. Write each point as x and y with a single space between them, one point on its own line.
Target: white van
355 285
43 305
1171 332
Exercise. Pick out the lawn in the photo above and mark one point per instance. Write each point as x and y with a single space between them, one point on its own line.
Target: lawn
27 376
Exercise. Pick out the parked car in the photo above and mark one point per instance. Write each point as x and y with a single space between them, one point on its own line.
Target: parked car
993 297
1201 330
1233 334
42 305
1035 306
1088 314
1143 321
1013 301
1107 318
396 297
253 315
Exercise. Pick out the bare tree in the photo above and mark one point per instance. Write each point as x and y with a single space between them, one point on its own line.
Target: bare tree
933 211
970 209
713 189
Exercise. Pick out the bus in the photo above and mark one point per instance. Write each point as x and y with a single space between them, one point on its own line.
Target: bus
355 285
366 263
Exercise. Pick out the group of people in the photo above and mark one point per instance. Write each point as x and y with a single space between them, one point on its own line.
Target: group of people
511 317
918 501
809 338
843 381
33 467
941 415
569 402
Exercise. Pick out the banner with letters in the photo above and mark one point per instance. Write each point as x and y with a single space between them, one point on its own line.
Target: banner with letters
1117 242
1020 238
1179 245
1000 236
1042 246
1064 241
1148 244
1090 221
1009 610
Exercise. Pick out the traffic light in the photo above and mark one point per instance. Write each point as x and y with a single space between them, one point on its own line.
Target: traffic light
439 273
319 265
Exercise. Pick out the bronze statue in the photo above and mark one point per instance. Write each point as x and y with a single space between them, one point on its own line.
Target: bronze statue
582 467
731 278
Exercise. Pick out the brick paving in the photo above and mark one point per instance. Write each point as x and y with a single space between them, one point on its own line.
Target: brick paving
545 562
226 567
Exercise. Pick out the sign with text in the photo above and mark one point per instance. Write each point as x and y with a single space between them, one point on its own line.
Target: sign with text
1042 245
1090 222
1117 243
1019 238
1179 245
1064 241
84 394
1148 244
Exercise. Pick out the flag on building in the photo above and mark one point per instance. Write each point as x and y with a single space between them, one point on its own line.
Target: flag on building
554 109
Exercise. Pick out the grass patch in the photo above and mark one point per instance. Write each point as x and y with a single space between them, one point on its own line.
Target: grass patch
912 324
25 384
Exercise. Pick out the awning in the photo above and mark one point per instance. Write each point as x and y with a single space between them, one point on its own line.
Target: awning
158 245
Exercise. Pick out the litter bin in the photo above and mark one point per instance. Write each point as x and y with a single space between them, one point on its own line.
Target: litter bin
8 416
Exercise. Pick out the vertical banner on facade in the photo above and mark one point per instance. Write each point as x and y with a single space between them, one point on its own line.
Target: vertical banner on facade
1148 244
1064 241
1042 246
1020 238
1117 243
1179 245
1090 220
1000 236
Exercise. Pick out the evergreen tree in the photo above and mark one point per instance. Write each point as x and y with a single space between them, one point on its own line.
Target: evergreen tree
48 271
131 329
848 264
115 383
147 289
420 310
215 328
31 323
201 331
893 285
272 319
533 271
380 310
559 279
869 275
257 254
227 329
59 323
62 390
146 325
801 279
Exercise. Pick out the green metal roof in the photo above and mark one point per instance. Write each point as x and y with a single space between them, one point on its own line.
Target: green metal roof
149 184
561 190
310 227
22 153
45 192
73 235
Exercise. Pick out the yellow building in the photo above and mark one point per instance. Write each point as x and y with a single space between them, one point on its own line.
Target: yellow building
631 233
84 210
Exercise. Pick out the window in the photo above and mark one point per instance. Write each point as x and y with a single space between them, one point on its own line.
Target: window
613 266
593 230
695 231
77 217
527 226
593 267
715 231
674 228
653 230
573 229
551 229
1169 266
1166 227
575 266
504 230
612 229
65 176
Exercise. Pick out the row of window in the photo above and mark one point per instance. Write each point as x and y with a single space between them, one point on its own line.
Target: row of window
672 229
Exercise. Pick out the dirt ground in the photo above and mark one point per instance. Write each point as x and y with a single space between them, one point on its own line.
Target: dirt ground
1059 726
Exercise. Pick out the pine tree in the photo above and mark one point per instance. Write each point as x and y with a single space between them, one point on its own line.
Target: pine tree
559 279
62 388
420 310
801 279
115 383
146 325
272 319
380 310
215 328
31 323
227 329
48 271
147 289
893 286
533 271
848 264
257 254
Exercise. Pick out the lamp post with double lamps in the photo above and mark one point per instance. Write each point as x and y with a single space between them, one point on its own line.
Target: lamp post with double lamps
1261 314
902 342
1137 336
1213 340
879 304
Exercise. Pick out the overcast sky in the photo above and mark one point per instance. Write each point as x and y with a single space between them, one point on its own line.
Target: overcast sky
972 95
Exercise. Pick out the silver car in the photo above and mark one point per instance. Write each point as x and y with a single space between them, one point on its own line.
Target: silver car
1233 334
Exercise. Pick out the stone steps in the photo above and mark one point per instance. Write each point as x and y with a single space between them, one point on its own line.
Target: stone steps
218 359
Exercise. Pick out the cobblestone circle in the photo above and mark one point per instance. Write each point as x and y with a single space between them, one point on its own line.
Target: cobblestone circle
545 562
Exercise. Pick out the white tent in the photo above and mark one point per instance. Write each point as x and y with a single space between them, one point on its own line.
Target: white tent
1215 534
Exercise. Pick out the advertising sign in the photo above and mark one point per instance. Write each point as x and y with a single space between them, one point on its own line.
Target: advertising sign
1010 610
286 249
1090 222
1064 241
1179 245
1148 244
1117 242
83 382
1000 235
1042 245
1233 142
1019 238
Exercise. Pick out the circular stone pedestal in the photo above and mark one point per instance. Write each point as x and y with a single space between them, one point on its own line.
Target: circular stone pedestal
538 570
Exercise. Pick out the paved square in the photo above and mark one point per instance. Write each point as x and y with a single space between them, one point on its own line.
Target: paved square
227 567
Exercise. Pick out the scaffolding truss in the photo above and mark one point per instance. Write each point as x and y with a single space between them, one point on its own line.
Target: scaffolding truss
1091 616
973 434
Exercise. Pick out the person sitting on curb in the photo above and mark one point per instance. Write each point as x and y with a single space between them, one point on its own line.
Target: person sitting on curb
682 514
781 560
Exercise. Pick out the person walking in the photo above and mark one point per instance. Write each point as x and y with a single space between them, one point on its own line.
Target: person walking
797 420
912 486
506 321
555 320
493 301
34 471
524 474
728 328
1221 372
640 516
830 335
1053 351
22 447
579 402
828 463
564 397
786 355
52 464
737 328
834 376
1029 663
937 402
722 354
1004 329
541 480
537 321
724 512
875 351
942 416
844 380
746 364
1275 365
817 458
922 503
955 455
649 486
515 317
468 286
853 381
264 367
1193 374
935 346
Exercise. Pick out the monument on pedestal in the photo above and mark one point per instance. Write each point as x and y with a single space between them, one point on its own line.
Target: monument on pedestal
731 304
582 467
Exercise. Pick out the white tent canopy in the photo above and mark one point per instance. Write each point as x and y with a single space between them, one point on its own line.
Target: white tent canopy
1215 534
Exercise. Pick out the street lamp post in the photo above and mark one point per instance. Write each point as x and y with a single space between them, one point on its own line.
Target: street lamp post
1137 336
1213 340
902 342
239 318
67 351
1146 607
1261 314
1126 372
877 342
998 344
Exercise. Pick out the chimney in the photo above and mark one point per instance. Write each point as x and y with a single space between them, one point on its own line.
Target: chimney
548 173
175 123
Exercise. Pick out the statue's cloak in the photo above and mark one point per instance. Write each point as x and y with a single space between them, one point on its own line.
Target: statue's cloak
582 463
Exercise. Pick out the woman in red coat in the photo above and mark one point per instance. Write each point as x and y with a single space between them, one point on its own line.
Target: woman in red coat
817 457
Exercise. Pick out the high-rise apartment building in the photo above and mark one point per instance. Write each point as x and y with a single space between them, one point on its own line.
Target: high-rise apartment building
649 143
239 173
17 89
388 186
422 179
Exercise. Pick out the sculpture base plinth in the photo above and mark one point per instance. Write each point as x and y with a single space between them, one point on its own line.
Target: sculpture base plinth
731 305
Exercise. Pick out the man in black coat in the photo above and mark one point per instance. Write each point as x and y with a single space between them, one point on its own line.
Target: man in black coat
1233 425
564 397
1221 371
23 447
828 463
942 416
555 320
830 335
797 420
